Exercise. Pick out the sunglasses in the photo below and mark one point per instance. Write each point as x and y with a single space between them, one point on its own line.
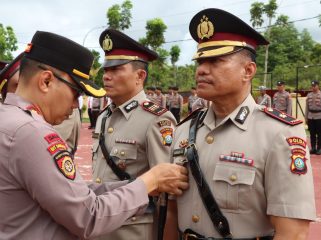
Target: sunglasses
72 86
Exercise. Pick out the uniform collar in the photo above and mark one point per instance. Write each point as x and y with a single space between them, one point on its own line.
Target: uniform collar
140 98
246 109
16 100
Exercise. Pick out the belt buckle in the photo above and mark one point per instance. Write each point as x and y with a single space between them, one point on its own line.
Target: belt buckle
188 235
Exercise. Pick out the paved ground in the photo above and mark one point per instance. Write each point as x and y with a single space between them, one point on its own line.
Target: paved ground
83 161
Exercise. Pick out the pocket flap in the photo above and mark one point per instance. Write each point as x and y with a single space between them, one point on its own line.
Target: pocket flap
124 151
234 174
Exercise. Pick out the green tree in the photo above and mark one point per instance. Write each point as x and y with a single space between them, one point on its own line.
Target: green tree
174 53
155 33
96 72
8 42
119 16
257 11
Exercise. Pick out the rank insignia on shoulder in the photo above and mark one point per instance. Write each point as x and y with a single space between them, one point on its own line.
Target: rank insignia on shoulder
130 106
242 114
292 141
281 116
153 108
52 137
65 164
298 164
167 134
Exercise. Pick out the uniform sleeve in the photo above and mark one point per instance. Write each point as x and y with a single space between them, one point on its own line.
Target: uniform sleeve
159 138
288 176
70 202
289 105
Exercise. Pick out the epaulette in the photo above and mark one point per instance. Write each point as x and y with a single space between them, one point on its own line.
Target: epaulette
281 116
190 116
153 108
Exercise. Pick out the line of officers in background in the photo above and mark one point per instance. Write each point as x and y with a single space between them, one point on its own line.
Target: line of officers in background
282 101
173 101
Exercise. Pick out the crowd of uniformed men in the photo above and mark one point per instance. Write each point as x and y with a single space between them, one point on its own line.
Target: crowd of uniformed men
209 176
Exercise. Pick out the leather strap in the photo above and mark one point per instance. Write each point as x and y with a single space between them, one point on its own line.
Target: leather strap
218 219
122 175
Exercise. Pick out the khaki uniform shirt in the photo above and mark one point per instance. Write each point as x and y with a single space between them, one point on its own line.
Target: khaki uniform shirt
282 101
41 194
247 193
191 100
139 140
69 130
264 100
313 102
176 101
160 100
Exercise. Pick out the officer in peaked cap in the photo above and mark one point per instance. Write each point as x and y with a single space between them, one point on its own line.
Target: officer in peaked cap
239 176
9 76
313 117
42 196
282 99
138 132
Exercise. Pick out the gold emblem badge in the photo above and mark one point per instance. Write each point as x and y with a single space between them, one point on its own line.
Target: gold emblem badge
107 43
205 29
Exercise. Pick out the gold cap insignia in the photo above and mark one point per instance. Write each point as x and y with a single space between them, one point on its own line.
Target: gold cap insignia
107 43
205 29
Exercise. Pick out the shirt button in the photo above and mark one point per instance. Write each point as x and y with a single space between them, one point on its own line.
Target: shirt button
209 139
115 151
110 130
122 153
98 180
195 218
133 219
233 178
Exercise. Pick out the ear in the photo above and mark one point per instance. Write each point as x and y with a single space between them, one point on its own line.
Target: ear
141 76
45 81
249 71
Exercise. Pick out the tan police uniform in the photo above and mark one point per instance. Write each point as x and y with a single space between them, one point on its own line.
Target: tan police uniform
42 195
313 119
176 106
248 182
160 100
69 130
191 99
139 137
283 102
264 100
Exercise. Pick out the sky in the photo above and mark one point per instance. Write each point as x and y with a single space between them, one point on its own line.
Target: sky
84 20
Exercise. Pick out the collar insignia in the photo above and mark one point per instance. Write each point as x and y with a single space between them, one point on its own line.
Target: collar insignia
242 114
130 106
205 29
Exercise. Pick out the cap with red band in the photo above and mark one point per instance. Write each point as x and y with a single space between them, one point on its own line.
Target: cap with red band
220 33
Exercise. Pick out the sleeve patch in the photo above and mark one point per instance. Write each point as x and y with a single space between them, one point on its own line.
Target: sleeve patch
56 147
296 141
65 164
167 134
298 163
164 123
53 137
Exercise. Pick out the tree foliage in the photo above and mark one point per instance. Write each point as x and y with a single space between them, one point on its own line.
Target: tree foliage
119 16
8 42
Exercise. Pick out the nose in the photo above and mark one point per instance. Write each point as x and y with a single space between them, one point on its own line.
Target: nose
202 68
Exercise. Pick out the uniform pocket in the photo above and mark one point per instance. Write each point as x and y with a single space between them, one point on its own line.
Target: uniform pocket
124 151
232 185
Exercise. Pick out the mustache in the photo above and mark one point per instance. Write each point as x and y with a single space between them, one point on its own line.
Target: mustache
202 79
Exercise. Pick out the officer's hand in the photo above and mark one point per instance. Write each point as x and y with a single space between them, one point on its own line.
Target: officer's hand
166 177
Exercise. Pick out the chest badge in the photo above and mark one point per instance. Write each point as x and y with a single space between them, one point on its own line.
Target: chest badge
237 157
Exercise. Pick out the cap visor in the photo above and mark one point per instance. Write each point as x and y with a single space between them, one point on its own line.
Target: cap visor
89 87
116 62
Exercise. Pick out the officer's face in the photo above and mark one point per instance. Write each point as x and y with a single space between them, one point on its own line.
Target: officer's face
122 82
222 78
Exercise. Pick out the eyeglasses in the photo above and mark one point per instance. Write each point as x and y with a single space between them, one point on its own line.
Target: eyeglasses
73 86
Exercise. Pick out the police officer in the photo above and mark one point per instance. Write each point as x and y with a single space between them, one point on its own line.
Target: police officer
176 104
263 99
150 93
42 196
191 99
313 117
138 131
282 99
160 98
169 96
9 77
244 183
